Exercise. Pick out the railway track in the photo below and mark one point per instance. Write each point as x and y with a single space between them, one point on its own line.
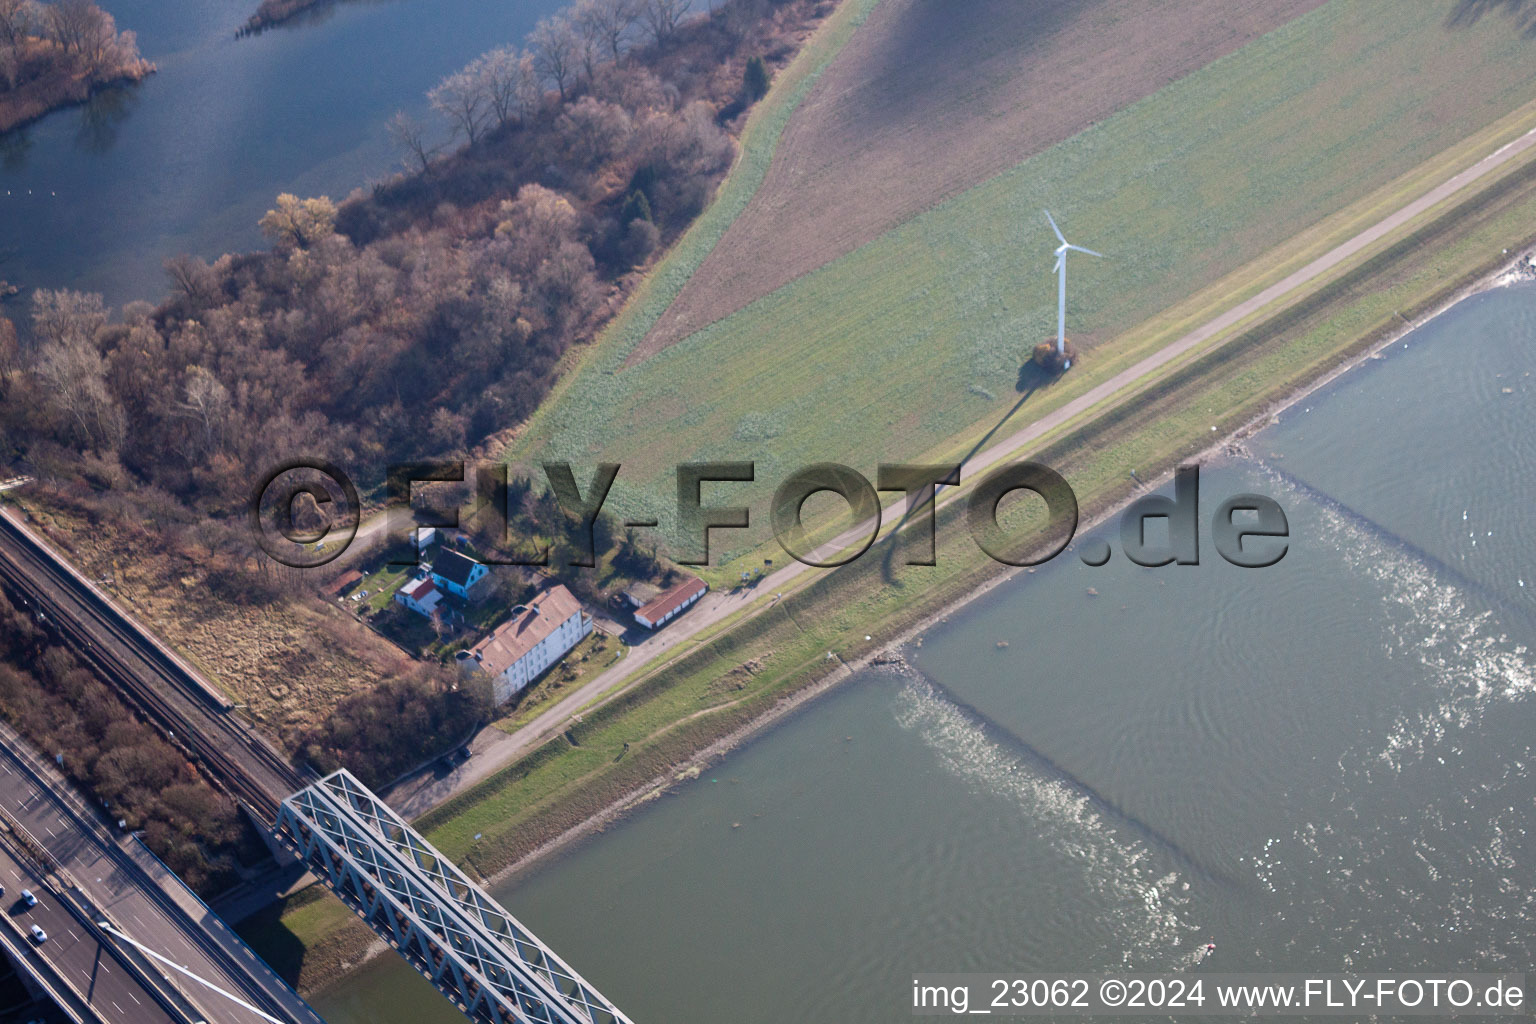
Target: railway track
168 693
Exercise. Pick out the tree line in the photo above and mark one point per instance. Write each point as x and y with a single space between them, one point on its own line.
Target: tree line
63 708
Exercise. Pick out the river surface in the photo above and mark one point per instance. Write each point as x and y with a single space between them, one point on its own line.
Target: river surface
97 197
1324 765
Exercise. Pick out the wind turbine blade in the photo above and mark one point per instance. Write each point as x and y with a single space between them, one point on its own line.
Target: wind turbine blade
1059 236
1090 252
1057 268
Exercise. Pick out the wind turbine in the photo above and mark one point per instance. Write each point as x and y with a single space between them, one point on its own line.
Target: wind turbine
1061 282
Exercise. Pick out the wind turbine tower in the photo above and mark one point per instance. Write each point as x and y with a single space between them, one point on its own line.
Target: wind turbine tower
1061 282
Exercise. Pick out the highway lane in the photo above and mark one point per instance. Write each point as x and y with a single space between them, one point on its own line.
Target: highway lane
173 928
77 952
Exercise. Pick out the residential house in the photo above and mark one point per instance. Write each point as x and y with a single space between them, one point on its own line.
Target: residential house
539 634
458 574
420 596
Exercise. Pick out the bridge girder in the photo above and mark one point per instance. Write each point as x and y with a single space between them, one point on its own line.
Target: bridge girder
479 956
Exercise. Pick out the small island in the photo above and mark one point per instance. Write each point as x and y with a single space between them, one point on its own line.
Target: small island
57 54
274 12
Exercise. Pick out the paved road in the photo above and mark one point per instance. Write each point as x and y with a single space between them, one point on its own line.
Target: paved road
76 952
494 749
175 928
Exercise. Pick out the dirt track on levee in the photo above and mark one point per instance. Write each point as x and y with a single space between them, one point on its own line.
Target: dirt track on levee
931 97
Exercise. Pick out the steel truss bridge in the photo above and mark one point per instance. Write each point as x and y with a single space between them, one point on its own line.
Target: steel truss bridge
478 955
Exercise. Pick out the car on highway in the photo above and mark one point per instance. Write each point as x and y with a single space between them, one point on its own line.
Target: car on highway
28 898
38 935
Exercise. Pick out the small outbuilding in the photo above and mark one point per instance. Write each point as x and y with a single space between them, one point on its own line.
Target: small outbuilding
668 606
638 595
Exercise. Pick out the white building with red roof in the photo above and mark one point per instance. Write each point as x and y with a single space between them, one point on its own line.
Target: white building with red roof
663 609
420 596
539 634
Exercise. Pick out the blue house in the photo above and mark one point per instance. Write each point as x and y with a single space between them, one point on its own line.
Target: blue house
458 574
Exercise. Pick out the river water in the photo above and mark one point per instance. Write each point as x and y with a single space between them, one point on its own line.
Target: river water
1323 765
98 197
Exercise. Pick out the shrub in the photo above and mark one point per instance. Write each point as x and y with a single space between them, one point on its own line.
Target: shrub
1047 358
636 207
754 82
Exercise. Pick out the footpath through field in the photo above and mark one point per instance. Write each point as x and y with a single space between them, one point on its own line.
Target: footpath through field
494 750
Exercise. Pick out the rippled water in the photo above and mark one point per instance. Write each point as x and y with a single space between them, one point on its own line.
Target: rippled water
1322 765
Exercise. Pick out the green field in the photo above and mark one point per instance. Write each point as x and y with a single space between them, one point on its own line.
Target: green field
916 338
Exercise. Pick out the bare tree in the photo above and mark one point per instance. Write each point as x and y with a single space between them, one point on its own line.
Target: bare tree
556 52
594 129
739 17
299 223
529 92
590 44
511 85
192 277
67 317
612 21
10 351
74 373
409 136
207 404
661 17
84 30
463 100
18 19
67 22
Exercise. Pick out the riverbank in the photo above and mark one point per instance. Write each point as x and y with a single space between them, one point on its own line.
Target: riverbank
42 96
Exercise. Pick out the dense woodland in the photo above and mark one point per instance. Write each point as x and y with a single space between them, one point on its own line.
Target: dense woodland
52 54
417 319
63 707
382 733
